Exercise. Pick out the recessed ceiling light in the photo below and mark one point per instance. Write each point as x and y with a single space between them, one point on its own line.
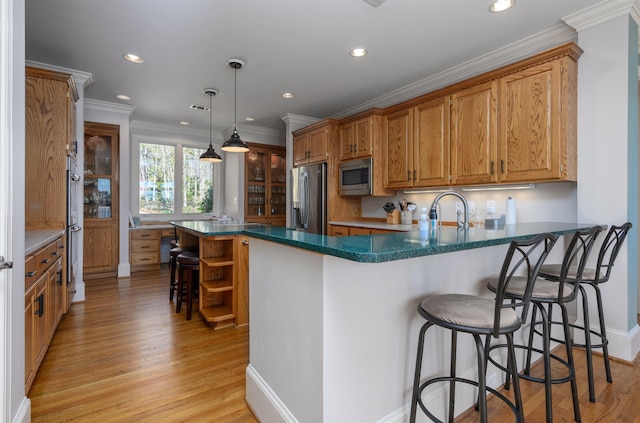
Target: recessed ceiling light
132 58
123 97
288 95
501 5
249 119
358 52
184 122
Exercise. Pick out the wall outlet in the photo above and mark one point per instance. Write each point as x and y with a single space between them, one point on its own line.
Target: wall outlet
459 207
491 206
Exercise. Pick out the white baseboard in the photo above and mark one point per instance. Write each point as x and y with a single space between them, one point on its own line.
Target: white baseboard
24 411
124 270
622 345
264 403
79 296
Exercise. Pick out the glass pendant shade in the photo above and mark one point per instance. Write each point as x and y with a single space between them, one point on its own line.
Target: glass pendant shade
234 144
210 155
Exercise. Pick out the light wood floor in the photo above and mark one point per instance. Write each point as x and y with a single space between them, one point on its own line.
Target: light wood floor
124 355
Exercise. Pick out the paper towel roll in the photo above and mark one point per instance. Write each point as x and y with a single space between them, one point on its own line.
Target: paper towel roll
510 218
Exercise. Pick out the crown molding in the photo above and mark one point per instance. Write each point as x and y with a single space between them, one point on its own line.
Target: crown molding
83 78
522 49
603 12
293 119
105 106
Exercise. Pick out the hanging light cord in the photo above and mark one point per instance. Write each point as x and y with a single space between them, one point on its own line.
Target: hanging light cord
235 98
210 118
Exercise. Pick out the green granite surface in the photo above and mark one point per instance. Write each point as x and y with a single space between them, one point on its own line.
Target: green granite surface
386 247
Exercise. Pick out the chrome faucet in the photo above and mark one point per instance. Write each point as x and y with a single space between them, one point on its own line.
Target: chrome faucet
465 205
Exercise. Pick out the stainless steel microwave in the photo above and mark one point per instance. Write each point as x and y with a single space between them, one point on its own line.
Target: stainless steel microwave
356 177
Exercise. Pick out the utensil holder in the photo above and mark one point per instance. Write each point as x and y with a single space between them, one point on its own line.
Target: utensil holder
393 218
406 217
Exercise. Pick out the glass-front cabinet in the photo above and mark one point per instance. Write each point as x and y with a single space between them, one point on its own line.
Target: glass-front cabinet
100 198
265 183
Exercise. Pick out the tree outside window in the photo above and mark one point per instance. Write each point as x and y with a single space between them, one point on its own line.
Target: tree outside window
164 168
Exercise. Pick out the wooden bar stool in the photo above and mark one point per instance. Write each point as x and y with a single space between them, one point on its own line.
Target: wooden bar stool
188 264
481 316
593 277
173 282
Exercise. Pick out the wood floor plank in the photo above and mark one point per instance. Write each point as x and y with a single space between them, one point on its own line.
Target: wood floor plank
124 355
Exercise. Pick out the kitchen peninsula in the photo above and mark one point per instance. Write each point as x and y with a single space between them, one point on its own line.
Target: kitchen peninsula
334 320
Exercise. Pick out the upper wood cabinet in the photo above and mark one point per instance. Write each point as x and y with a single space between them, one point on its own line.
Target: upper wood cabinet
398 149
474 135
537 136
310 144
515 124
361 136
49 133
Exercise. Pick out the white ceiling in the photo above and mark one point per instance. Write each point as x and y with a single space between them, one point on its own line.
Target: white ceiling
300 46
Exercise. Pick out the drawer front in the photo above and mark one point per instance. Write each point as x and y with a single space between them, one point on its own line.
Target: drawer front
46 257
141 259
30 273
144 245
145 234
168 233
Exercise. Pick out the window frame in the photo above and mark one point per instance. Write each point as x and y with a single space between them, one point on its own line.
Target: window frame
179 144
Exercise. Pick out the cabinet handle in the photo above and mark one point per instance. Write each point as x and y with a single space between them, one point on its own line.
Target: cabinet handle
350 148
414 174
45 261
502 166
55 253
145 259
40 311
59 273
31 274
144 246
492 166
245 242
144 236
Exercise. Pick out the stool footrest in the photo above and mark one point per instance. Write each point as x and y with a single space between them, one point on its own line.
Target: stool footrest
527 376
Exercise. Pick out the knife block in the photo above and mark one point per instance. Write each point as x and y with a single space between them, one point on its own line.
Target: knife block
393 218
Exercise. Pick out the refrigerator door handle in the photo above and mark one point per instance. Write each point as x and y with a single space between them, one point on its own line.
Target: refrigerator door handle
304 199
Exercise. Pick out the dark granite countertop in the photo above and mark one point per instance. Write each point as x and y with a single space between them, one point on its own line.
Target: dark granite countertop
213 228
404 245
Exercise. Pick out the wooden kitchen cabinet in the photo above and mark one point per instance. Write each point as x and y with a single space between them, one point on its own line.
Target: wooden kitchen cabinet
265 185
311 144
398 149
474 124
361 136
44 298
101 193
49 130
144 249
345 230
537 135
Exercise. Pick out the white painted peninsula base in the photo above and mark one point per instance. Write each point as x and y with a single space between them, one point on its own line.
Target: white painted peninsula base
334 340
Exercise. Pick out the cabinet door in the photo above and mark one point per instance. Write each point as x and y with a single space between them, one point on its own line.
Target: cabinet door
100 251
363 137
255 177
473 135
300 149
318 141
398 149
277 210
56 290
242 281
529 124
431 143
40 316
29 336
347 133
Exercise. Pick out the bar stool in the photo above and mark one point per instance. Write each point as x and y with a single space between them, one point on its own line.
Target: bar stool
553 293
593 277
173 253
188 264
482 316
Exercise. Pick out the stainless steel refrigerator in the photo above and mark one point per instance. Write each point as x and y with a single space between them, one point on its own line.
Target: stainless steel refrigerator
309 198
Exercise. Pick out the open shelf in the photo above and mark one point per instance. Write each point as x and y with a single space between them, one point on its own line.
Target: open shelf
217 285
217 313
217 261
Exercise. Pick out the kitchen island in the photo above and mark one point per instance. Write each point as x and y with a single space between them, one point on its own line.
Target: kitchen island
334 322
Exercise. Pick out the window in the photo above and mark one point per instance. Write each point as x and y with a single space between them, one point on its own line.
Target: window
172 180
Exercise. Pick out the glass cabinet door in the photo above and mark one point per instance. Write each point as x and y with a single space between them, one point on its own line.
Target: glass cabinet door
256 195
278 184
98 176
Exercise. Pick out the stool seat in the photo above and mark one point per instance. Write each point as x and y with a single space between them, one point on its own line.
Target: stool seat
188 258
469 311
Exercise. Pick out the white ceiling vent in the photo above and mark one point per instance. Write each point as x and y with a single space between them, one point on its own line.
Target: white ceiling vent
201 108
374 3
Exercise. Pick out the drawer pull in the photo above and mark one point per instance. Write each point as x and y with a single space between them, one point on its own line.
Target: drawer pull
145 259
31 274
55 253
45 261
144 246
245 242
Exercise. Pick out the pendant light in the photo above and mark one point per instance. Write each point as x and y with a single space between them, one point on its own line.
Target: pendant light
234 144
210 155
